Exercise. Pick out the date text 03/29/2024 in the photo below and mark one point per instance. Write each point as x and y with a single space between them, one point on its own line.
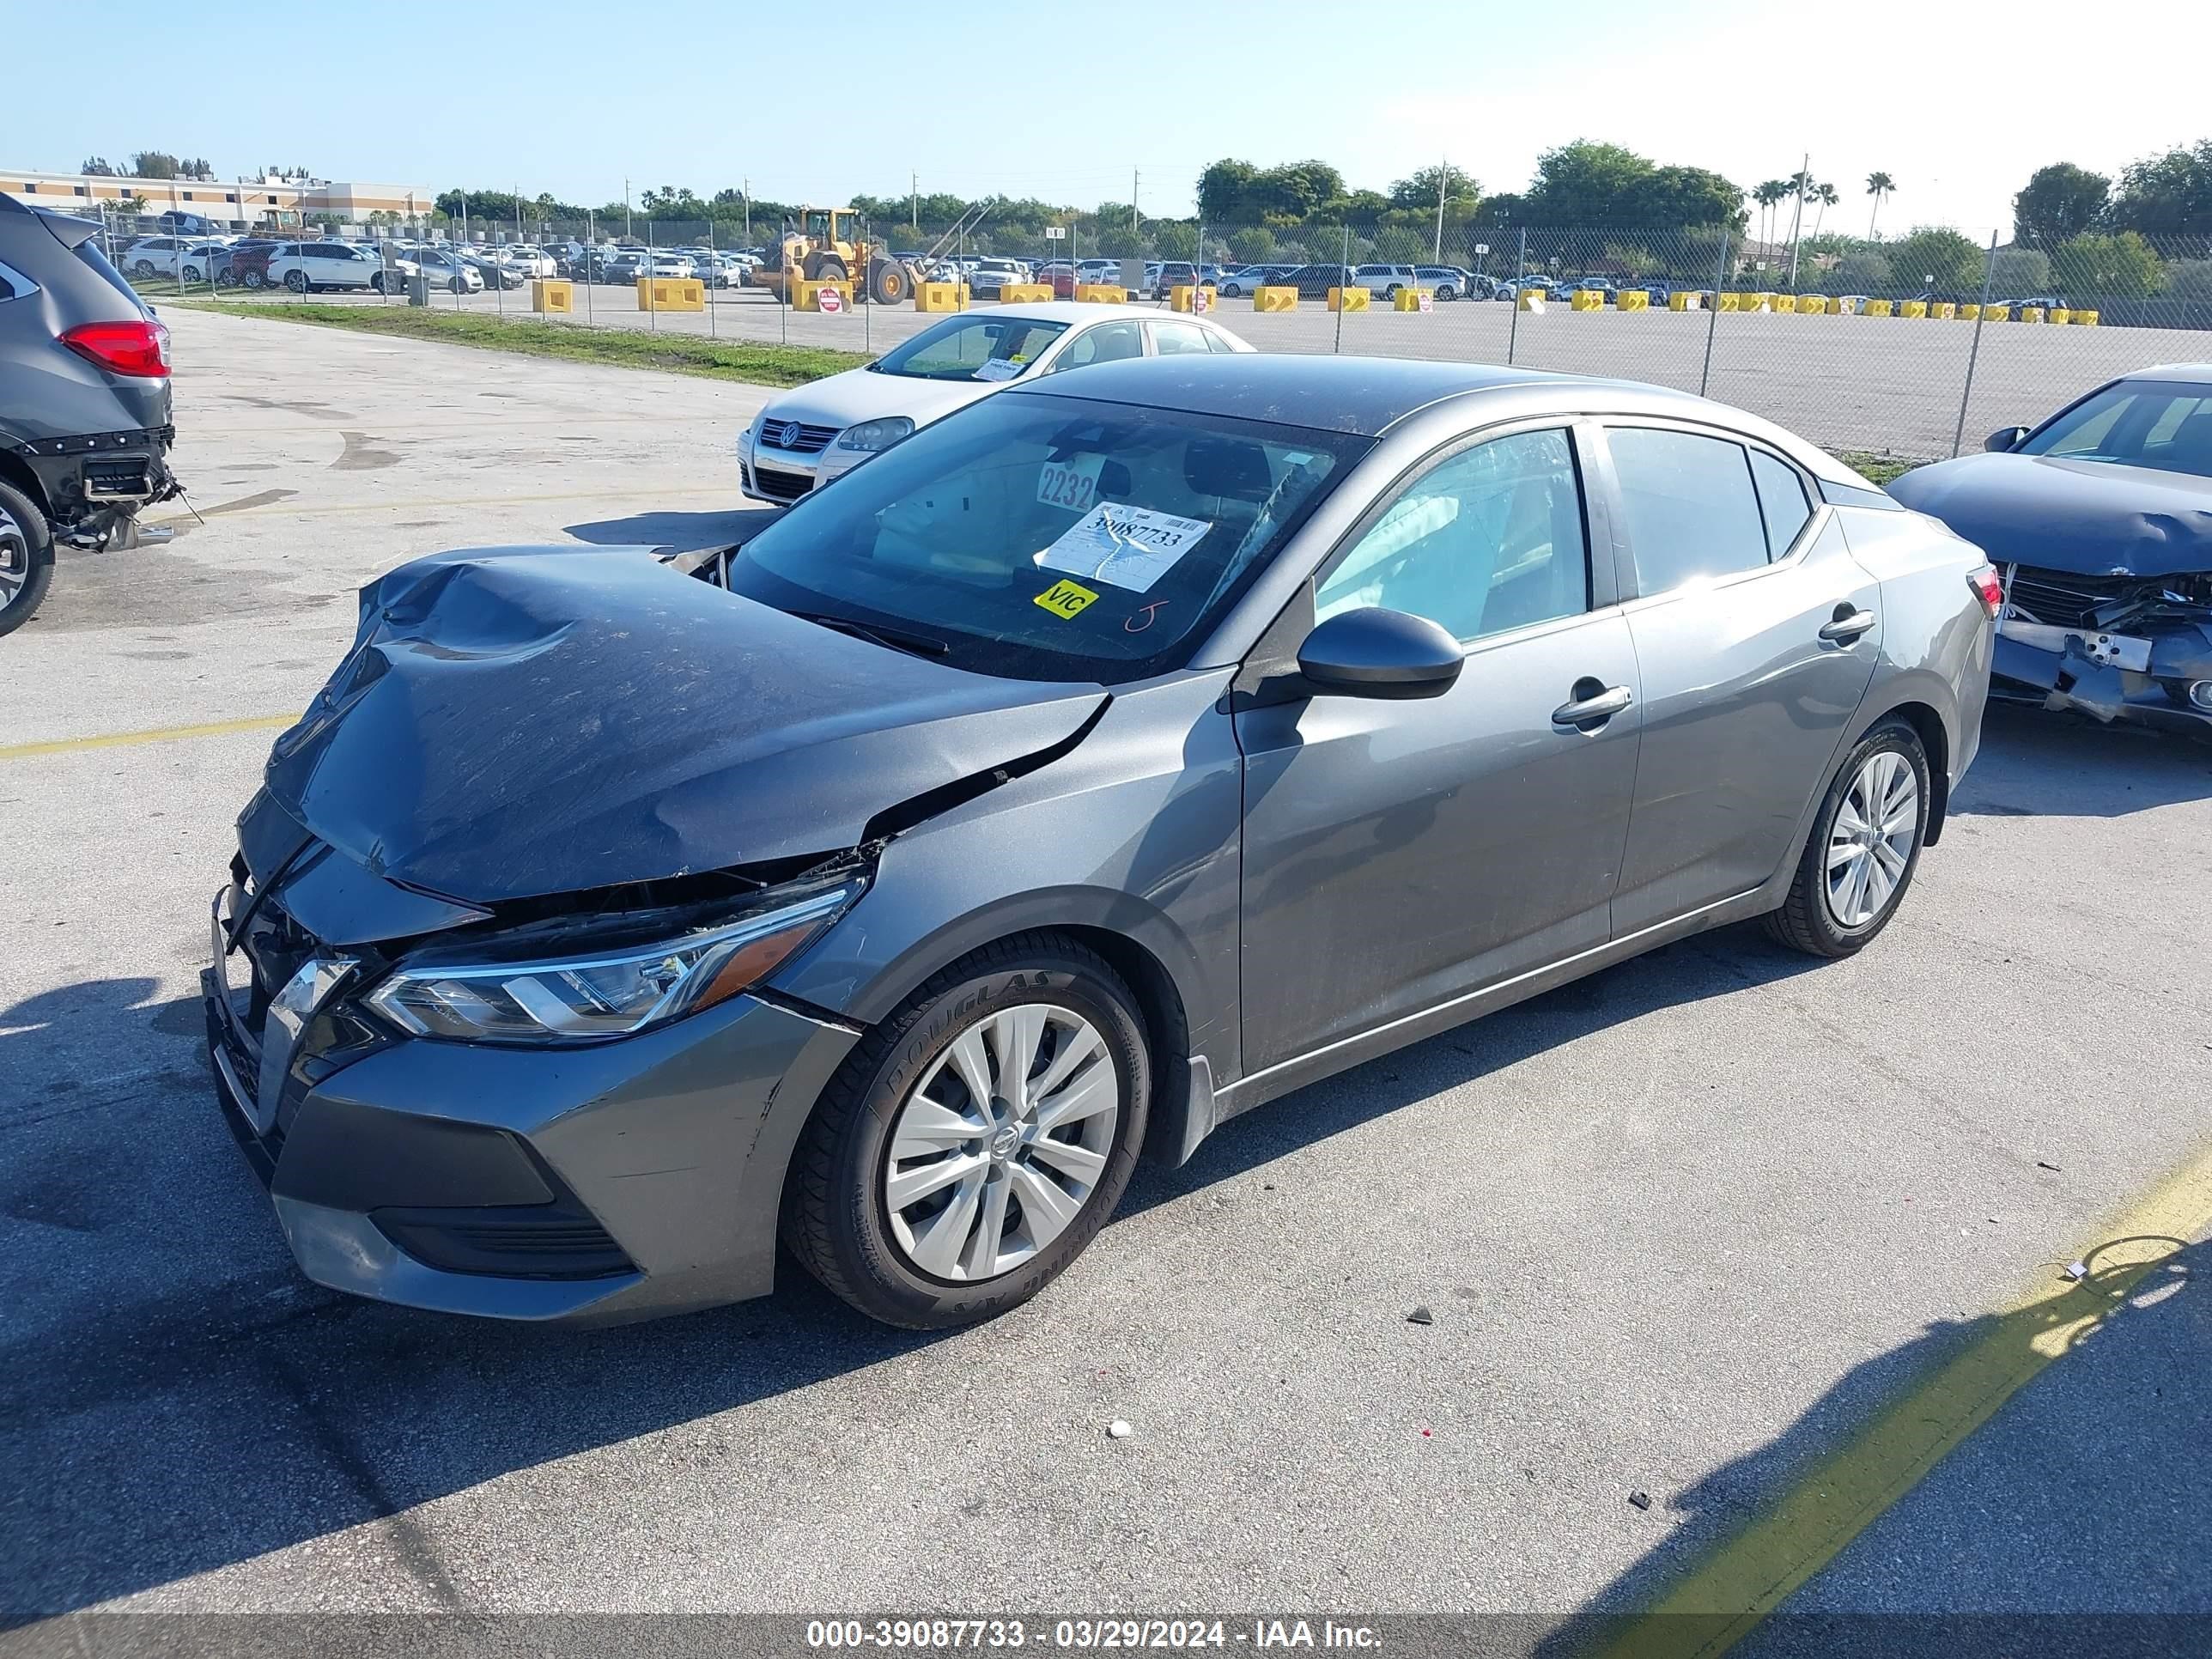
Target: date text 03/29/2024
940 1635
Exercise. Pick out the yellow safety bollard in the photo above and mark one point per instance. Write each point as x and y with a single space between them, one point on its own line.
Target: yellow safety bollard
1585 299
1633 299
1347 299
1969 312
1529 300
1754 302
830 297
1839 306
1784 302
2031 313
2085 320
1997 314
2058 314
1102 293
1274 298
1414 299
1913 308
552 297
1686 299
1184 297
1942 310
1024 294
670 293
1879 307
939 296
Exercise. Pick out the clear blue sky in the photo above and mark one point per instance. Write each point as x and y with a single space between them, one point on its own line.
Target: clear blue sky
1063 101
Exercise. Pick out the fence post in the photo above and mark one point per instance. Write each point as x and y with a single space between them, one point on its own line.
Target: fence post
1973 354
1713 321
590 264
651 271
708 290
1520 271
1344 260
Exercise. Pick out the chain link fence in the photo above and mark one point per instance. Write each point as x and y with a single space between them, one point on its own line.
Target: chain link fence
1912 346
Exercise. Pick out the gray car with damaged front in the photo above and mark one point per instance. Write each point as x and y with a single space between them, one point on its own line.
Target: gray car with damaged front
1101 762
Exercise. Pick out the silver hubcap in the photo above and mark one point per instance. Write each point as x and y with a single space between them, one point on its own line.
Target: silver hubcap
1002 1142
1871 839
14 558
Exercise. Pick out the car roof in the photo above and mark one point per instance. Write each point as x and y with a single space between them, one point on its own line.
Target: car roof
1067 311
2200 372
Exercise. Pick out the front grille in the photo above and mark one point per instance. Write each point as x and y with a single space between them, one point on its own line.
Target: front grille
2063 599
807 440
779 485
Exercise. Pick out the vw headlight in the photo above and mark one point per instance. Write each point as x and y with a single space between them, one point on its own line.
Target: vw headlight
598 994
869 436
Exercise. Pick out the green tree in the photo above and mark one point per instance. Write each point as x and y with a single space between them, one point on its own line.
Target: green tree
1881 187
1398 245
2059 202
1863 270
1461 194
154 164
1173 240
1225 193
2117 267
2190 279
1255 246
2015 270
97 166
1584 183
1687 196
1770 196
2167 194
1936 257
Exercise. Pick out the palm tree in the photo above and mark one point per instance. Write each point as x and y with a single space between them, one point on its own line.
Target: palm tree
1770 196
1879 185
1825 196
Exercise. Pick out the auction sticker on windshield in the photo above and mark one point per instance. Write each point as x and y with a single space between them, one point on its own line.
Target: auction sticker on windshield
999 369
1127 547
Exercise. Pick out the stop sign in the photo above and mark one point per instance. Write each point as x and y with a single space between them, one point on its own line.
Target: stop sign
829 299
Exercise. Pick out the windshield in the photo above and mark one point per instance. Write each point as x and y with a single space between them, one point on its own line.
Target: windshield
971 349
2166 424
1046 537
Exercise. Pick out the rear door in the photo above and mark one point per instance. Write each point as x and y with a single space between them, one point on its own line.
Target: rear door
1398 854
1756 634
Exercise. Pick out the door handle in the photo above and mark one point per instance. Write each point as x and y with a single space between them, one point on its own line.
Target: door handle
1846 625
1592 702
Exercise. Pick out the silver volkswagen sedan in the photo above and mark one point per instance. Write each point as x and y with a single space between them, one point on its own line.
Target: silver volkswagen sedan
1104 760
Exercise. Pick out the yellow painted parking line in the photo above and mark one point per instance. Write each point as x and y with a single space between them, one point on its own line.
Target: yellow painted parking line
289 510
1726 1595
157 734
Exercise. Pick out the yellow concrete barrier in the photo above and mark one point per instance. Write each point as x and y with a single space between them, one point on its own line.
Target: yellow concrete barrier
1913 308
1529 300
2031 313
1942 310
1754 302
1633 299
2085 320
940 297
1348 299
670 293
2058 314
807 296
1783 303
1997 314
1686 299
1727 301
554 298
1585 299
1024 294
1879 307
1101 293
1274 298
1969 312
1184 297
1414 299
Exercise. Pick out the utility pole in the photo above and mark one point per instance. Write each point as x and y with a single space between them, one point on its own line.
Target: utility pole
1443 172
625 208
914 200
1797 219
1132 199
749 210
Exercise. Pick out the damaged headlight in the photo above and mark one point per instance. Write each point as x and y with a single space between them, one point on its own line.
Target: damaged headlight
873 436
606 994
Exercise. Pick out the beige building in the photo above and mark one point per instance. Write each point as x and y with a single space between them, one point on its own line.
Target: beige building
232 205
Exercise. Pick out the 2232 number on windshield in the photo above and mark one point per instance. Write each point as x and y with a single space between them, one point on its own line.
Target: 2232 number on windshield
1065 598
1071 484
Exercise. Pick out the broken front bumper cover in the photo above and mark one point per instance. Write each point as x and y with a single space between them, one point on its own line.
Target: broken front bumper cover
2097 675
590 1184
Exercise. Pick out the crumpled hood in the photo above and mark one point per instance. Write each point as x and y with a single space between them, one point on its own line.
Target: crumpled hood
2091 517
517 721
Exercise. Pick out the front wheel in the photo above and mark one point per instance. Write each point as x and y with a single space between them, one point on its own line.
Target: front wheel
1864 847
974 1142
26 557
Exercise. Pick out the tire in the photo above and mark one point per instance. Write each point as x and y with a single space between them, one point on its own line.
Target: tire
837 1215
1814 919
821 267
192 273
376 282
296 281
143 269
256 277
26 557
889 283
1446 291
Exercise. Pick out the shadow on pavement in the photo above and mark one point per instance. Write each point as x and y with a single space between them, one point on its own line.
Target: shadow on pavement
175 1398
2069 1521
2033 764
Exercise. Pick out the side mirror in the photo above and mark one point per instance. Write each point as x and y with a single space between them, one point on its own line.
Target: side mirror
1372 652
2003 438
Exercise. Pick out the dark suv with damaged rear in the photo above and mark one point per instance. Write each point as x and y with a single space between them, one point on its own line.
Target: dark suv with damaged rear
84 401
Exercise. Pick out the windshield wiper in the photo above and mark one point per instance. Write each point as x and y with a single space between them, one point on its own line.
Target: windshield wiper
895 639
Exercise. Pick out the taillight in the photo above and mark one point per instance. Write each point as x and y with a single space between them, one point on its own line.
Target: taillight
134 348
1988 588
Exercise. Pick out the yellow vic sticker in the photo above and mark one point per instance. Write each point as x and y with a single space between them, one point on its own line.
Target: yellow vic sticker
1065 598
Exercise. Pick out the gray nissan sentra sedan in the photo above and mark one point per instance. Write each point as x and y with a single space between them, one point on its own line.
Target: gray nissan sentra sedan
1108 758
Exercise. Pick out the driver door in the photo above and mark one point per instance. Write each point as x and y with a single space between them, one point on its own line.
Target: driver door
1400 854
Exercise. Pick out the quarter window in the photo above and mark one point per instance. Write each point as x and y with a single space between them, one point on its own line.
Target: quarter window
1782 502
1172 339
1690 506
1106 342
1487 540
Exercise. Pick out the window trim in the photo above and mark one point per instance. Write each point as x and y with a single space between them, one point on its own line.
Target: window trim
1632 596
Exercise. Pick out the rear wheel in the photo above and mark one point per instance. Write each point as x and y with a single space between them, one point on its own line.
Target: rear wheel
889 283
823 268
256 277
296 281
974 1142
144 267
26 557
1864 847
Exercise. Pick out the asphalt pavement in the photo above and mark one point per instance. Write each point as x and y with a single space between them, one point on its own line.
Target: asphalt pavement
1683 1230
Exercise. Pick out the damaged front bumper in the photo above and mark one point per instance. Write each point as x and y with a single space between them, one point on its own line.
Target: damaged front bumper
2114 647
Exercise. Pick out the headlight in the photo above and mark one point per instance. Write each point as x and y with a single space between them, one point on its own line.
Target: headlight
606 994
871 435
